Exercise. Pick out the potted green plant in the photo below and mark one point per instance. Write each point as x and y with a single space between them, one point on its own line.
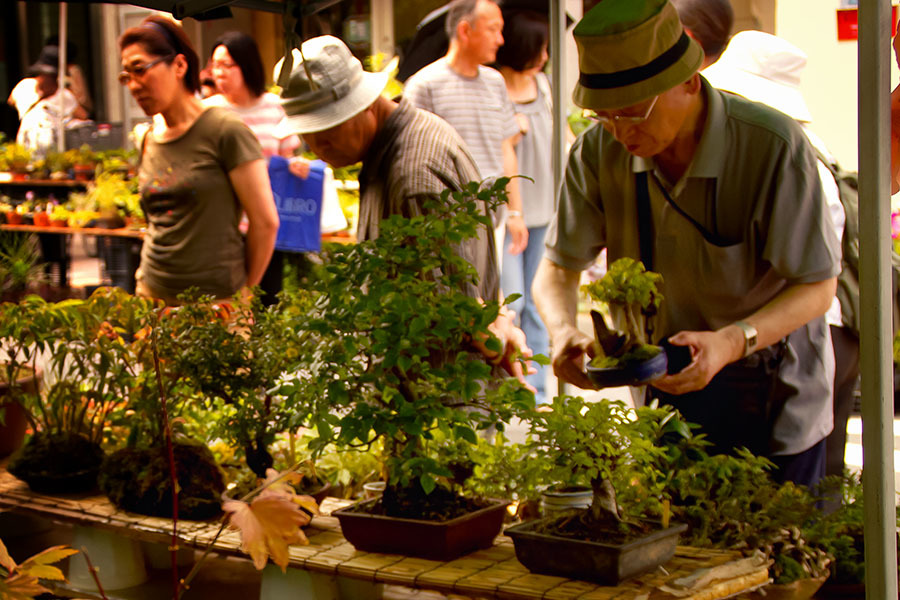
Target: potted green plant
386 355
84 163
625 356
591 442
88 375
16 159
164 467
21 266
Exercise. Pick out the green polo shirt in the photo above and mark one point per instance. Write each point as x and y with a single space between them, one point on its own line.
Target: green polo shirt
753 187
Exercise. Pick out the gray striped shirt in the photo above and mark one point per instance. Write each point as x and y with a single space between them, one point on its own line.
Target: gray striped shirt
478 108
413 156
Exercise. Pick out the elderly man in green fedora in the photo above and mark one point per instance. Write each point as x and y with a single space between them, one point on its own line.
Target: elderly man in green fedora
721 196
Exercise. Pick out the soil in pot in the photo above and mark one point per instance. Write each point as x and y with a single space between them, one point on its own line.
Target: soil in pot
413 503
137 479
58 463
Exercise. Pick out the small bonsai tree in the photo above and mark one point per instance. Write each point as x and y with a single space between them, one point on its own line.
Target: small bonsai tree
632 295
387 350
592 443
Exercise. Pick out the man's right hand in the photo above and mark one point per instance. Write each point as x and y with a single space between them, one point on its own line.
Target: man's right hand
570 347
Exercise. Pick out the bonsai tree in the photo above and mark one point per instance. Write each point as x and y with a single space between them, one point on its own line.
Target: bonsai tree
592 443
632 295
234 356
386 348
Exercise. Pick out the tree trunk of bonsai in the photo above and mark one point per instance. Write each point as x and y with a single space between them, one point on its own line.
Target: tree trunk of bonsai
603 506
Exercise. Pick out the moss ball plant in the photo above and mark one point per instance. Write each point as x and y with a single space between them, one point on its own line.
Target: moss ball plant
58 462
137 479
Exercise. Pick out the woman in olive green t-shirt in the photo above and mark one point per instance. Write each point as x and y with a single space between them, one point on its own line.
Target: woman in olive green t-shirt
200 168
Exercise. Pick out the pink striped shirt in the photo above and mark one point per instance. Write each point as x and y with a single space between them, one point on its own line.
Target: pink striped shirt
262 118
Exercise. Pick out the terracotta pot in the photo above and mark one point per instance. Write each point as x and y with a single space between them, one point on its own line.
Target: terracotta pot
83 172
14 218
59 223
423 539
19 175
41 219
12 430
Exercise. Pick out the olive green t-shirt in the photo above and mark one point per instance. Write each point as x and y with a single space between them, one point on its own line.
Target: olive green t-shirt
192 210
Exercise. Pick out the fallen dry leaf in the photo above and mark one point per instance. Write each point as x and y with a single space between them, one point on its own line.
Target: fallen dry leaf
268 525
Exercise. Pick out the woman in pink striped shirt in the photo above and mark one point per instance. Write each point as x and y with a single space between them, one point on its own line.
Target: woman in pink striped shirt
239 76
238 72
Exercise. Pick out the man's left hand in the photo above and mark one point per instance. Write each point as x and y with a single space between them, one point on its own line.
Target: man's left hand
710 351
518 234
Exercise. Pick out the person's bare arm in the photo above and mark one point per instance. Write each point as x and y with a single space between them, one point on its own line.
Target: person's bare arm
555 292
515 222
251 184
792 308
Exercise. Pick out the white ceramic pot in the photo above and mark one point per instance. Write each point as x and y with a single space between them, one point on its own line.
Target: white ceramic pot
119 560
554 501
373 489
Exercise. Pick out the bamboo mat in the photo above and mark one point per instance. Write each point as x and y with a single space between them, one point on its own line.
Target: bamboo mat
490 573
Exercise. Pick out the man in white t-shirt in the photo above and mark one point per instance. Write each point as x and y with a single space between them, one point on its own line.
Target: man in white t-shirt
38 126
472 98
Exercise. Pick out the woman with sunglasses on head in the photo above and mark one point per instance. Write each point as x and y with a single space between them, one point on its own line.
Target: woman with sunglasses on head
200 168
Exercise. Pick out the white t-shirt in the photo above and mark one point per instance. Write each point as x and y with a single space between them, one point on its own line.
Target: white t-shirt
24 95
37 131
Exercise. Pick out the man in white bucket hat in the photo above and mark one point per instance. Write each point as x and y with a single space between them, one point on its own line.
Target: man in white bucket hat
408 155
720 196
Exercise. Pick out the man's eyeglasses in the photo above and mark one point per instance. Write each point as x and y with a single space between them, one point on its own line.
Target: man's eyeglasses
139 70
613 119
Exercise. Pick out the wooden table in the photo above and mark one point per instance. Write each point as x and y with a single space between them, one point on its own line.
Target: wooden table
490 573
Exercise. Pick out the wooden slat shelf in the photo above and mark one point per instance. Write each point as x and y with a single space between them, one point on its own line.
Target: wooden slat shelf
489 573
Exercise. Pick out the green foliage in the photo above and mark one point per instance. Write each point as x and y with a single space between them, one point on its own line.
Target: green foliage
502 469
591 443
632 295
14 157
20 262
233 357
89 368
386 348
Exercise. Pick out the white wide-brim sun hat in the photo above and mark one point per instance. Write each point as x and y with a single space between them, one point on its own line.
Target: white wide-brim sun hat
762 68
339 91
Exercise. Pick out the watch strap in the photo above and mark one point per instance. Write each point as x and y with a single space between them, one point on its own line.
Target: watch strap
751 337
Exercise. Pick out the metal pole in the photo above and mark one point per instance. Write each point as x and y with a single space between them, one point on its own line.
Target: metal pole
875 289
60 114
557 68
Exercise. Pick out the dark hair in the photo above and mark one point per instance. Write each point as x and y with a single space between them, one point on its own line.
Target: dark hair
525 33
71 49
457 12
245 53
163 37
709 22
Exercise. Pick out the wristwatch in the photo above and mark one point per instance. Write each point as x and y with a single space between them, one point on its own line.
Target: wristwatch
751 337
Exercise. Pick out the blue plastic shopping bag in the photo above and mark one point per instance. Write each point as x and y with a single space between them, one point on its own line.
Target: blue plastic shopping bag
299 203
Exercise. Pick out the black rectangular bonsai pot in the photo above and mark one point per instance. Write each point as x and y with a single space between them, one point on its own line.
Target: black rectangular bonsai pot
609 564
433 540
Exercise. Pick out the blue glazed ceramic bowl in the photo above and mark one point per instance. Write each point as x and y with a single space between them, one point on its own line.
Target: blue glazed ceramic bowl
631 374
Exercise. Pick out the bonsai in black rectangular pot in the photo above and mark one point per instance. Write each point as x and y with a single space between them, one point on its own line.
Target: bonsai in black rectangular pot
590 442
388 355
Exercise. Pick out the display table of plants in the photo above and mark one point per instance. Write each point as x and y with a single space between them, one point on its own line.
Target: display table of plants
198 420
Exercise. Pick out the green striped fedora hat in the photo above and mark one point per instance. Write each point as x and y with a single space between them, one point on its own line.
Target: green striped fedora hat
630 51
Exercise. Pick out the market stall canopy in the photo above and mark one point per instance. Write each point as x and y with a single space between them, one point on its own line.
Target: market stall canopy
430 42
204 10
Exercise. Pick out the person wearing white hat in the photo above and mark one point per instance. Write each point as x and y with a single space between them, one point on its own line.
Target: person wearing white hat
765 68
408 155
720 196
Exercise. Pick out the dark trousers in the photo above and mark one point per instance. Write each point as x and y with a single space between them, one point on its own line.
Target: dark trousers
846 372
273 279
738 409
